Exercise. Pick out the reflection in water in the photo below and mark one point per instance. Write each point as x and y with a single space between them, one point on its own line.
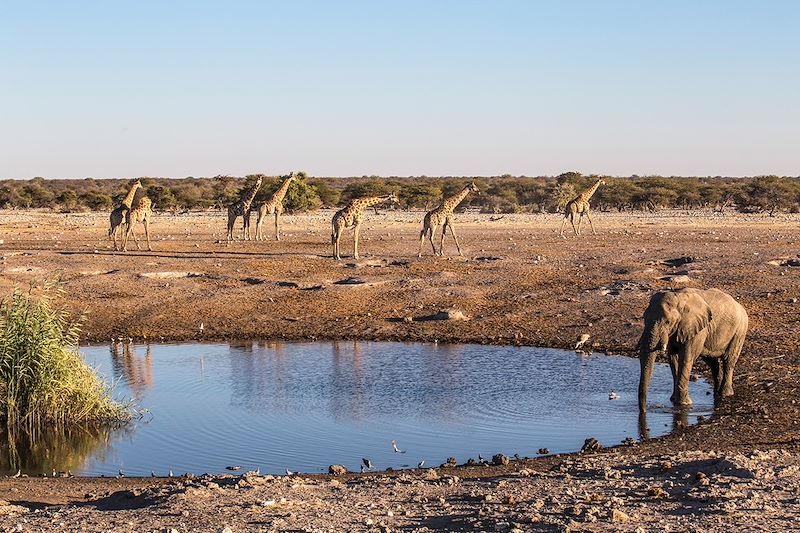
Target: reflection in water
52 451
137 372
680 420
304 406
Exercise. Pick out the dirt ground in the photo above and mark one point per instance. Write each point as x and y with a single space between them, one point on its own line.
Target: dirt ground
517 283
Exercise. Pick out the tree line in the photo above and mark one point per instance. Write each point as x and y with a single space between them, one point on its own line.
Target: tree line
498 194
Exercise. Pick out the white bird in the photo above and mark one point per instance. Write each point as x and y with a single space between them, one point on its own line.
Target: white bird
613 395
421 464
396 449
289 472
170 474
367 463
581 340
201 327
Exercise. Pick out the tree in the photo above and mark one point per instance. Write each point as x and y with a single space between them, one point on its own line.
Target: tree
769 193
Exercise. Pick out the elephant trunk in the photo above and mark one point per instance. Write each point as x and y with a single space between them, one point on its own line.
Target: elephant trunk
649 345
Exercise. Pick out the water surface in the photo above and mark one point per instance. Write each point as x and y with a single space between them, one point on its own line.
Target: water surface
304 406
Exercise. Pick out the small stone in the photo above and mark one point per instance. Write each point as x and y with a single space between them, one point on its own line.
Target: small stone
618 517
499 459
591 445
337 470
657 492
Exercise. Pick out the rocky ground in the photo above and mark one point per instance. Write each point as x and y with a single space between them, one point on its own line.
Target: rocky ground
518 282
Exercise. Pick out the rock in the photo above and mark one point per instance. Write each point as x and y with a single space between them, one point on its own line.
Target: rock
678 278
432 475
499 459
591 445
449 314
618 517
337 470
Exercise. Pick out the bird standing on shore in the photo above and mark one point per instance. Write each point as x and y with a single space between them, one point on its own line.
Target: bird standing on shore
396 449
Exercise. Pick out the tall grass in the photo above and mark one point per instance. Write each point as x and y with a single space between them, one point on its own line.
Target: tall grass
44 383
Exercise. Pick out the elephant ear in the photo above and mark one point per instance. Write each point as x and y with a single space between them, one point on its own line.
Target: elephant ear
695 315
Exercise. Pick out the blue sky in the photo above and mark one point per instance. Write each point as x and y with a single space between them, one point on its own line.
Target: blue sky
436 87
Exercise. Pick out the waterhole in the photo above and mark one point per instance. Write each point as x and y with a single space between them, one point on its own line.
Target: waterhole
303 406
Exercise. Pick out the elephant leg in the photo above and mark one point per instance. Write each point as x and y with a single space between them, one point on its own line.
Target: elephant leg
680 394
715 364
728 362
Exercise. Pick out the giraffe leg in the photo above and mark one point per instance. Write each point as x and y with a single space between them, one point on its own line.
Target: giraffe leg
589 216
441 241
231 224
453 233
356 229
133 234
335 235
580 220
246 225
147 232
563 223
431 232
277 231
422 239
572 221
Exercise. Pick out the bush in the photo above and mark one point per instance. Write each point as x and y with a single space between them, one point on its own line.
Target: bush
44 383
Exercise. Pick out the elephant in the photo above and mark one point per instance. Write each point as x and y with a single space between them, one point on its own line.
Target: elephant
686 324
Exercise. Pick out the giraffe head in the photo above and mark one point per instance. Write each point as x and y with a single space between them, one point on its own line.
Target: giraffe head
472 187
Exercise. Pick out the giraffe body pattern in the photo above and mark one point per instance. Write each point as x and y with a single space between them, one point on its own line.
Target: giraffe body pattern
351 215
580 206
273 205
241 208
120 214
141 213
443 216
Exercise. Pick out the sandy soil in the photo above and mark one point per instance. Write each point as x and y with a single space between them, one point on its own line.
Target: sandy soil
518 282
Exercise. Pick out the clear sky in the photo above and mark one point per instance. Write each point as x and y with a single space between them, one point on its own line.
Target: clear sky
435 87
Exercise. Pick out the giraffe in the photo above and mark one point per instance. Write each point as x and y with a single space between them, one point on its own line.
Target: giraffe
273 205
141 213
443 215
351 215
120 212
241 208
580 205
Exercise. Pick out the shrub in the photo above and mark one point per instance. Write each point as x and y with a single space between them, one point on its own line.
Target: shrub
44 383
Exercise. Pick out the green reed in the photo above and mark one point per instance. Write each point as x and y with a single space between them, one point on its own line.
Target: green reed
44 383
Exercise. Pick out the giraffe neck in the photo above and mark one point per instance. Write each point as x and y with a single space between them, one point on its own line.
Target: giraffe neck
281 192
591 190
247 200
373 200
128 200
454 200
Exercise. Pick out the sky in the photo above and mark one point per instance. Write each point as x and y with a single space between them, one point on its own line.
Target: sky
433 87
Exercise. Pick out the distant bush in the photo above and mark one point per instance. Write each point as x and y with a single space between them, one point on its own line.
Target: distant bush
768 194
